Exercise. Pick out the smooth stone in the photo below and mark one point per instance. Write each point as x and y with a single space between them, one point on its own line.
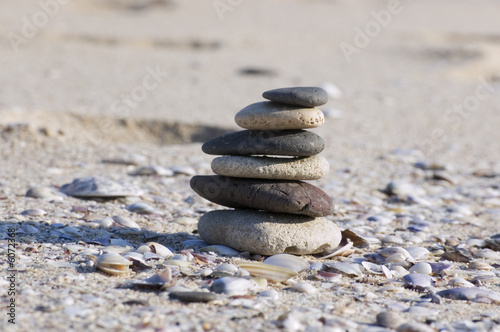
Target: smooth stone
267 233
300 96
267 115
99 187
293 197
299 143
308 168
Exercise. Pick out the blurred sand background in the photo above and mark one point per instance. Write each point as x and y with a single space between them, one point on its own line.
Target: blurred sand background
395 91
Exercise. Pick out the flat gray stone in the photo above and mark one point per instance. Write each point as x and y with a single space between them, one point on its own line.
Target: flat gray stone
300 143
268 115
308 168
300 96
268 233
99 187
293 197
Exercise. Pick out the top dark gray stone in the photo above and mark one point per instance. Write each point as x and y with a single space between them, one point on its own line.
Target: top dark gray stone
300 143
300 96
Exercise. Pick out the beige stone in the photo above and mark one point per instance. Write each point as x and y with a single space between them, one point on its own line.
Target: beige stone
310 168
268 115
267 233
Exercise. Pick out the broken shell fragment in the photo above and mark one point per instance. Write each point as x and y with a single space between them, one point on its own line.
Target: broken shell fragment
160 250
113 264
271 272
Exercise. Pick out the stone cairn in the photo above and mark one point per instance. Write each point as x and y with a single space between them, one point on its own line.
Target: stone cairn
260 175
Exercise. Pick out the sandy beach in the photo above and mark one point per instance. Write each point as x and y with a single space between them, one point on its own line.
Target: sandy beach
101 88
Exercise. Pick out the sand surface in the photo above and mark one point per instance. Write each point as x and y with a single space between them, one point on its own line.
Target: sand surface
118 79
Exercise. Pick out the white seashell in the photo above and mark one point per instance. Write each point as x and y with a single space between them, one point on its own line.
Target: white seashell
372 267
271 272
341 251
460 282
105 222
205 272
116 249
291 262
418 252
270 293
487 254
34 212
477 265
151 255
395 258
113 264
125 222
144 248
260 283
221 250
346 268
387 273
304 287
177 262
422 268
141 208
398 271
160 250
225 270
386 252
480 243
232 286
159 281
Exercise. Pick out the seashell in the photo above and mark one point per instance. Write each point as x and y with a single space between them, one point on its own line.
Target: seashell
484 279
178 260
398 271
386 252
376 258
288 261
192 297
271 272
144 248
152 170
328 276
116 249
98 187
260 283
473 242
270 293
151 255
232 286
106 222
33 212
372 268
422 268
221 250
460 282
205 272
357 240
225 270
417 252
125 222
487 254
159 281
304 287
470 294
418 281
315 266
141 208
113 264
160 250
342 251
395 258
440 267
346 268
477 265
457 256
387 273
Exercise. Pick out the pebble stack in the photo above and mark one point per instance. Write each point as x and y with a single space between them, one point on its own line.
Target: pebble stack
260 174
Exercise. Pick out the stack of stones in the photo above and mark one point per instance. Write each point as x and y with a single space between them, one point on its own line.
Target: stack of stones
260 175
